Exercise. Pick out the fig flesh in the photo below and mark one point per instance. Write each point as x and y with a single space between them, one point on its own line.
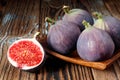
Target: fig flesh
77 16
26 54
111 25
95 44
62 37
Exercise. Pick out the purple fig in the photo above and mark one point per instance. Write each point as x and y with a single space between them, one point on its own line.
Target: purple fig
62 36
77 16
94 44
111 25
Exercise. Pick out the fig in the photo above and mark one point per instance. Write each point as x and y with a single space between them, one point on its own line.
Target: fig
26 54
94 44
111 25
62 36
77 16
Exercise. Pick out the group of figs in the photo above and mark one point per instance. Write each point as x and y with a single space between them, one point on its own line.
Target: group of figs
94 39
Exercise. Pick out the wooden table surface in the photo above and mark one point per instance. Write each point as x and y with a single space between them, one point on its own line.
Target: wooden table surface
20 16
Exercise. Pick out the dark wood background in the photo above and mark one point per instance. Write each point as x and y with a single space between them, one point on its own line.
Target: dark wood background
18 18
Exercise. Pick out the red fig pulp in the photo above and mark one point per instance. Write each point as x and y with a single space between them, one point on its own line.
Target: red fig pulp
25 54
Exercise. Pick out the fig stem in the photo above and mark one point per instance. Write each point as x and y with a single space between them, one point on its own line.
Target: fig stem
36 34
66 9
49 20
86 24
97 14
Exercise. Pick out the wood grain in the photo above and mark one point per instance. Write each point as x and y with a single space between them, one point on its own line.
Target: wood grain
19 17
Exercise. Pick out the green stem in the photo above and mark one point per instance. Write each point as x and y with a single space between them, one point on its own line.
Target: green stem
97 14
49 20
86 24
66 9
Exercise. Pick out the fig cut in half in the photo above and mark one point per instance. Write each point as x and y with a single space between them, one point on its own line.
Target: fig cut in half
26 54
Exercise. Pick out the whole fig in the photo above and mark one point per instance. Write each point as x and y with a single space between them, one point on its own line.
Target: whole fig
111 25
62 36
77 16
94 44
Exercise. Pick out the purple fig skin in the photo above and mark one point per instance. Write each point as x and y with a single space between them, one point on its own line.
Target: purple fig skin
77 16
95 45
112 26
62 37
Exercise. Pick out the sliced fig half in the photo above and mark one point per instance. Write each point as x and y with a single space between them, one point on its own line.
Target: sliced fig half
26 54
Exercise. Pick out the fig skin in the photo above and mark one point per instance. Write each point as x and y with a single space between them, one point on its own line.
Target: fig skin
112 26
77 16
62 37
95 45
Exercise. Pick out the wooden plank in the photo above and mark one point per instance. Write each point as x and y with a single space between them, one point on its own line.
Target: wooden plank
6 18
85 73
9 72
117 69
61 75
107 74
113 7
3 62
12 73
21 20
